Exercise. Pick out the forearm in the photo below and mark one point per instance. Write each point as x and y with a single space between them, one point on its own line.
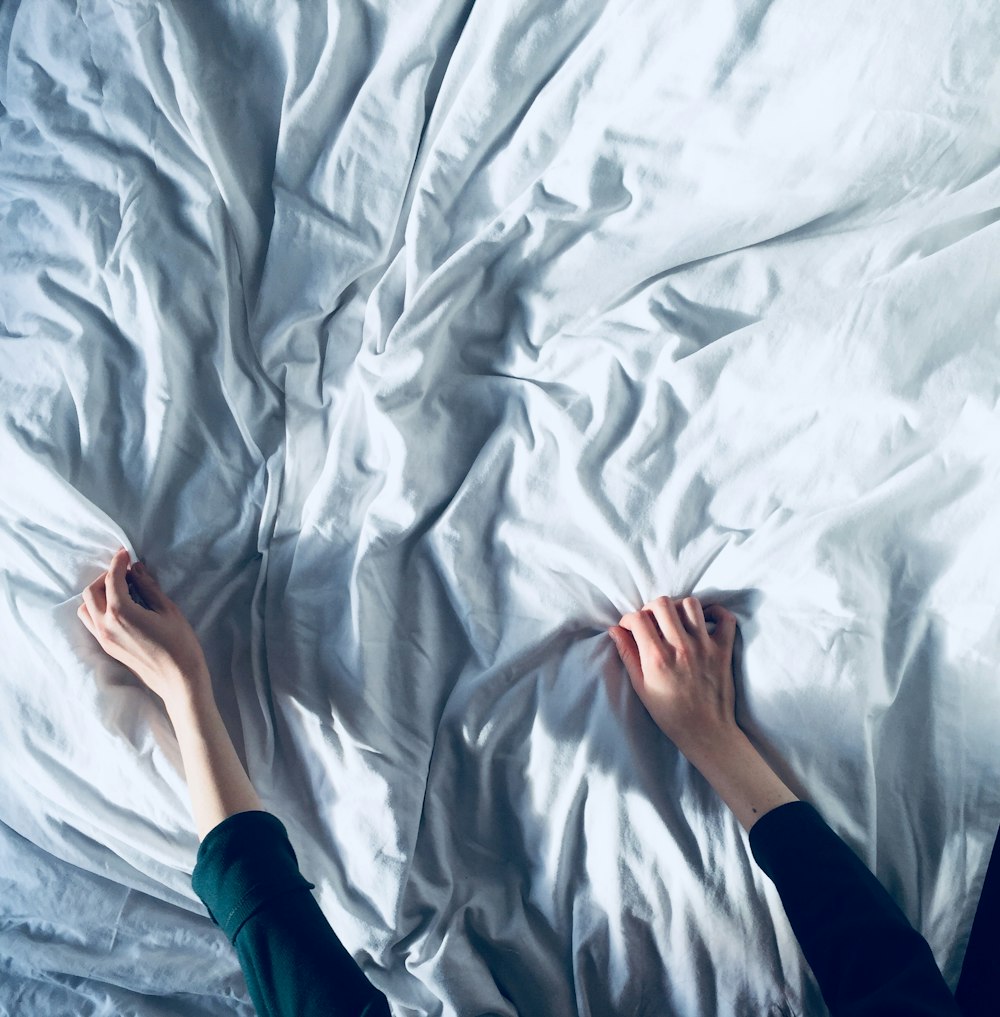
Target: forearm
740 776
218 783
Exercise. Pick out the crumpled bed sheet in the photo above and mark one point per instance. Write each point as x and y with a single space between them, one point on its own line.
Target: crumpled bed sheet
411 344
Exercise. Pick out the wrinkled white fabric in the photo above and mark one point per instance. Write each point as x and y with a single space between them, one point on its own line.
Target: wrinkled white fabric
411 344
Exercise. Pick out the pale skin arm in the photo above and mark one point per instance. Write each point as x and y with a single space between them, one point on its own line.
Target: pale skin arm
682 674
136 623
684 677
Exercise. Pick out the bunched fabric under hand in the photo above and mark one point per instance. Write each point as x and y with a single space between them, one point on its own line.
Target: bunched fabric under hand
248 877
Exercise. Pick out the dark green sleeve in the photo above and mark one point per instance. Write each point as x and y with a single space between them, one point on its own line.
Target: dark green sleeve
248 877
867 958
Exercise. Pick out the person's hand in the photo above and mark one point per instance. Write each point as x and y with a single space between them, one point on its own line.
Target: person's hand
682 674
135 622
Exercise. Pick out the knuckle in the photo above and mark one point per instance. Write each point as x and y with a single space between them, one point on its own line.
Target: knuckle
116 617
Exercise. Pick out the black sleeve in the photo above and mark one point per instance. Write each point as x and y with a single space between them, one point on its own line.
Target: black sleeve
977 989
248 877
867 958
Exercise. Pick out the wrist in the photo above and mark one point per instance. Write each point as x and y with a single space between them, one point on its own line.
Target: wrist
742 777
711 746
189 697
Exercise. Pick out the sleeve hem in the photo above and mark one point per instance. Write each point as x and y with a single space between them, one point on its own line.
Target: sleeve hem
244 862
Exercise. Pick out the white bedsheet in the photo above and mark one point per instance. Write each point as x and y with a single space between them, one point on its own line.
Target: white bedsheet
411 344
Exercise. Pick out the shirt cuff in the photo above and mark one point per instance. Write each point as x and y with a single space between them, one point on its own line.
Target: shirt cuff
243 862
784 838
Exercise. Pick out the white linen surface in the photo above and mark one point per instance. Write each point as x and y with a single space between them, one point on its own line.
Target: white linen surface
412 344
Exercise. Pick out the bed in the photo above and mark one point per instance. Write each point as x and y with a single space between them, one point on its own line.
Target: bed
411 345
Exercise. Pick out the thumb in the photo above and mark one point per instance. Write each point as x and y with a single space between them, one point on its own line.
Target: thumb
725 621
629 653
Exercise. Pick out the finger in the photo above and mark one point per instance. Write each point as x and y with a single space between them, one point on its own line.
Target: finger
725 625
148 587
648 638
133 589
95 600
665 613
115 586
84 615
691 614
98 597
629 653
